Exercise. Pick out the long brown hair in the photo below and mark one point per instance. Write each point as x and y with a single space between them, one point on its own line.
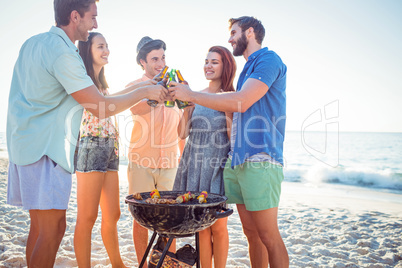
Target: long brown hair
86 55
229 67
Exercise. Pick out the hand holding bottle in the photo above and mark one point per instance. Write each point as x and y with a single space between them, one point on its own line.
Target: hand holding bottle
181 104
172 77
169 100
159 79
180 91
156 92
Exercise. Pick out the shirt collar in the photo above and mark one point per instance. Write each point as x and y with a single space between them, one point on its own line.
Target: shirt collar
60 32
257 53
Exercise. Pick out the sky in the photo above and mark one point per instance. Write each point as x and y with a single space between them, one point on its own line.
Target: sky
344 57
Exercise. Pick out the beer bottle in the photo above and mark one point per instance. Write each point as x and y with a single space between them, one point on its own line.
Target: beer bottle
164 81
181 104
158 78
172 77
160 75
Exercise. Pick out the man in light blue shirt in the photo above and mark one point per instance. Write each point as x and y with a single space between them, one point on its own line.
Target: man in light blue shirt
49 88
253 173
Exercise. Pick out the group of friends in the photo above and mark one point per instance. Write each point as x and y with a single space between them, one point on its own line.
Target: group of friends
226 141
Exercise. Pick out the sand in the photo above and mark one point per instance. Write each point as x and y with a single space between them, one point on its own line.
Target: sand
322 226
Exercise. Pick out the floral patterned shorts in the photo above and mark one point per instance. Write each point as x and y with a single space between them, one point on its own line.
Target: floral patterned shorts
97 154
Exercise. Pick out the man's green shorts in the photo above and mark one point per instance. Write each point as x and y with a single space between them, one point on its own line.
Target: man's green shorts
255 184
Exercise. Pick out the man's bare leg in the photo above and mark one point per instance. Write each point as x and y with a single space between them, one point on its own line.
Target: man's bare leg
140 236
32 237
264 224
51 225
257 251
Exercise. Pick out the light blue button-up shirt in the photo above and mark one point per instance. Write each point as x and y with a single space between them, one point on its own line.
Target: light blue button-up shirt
261 129
43 119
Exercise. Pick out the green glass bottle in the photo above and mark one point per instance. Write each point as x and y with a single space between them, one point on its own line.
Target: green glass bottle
159 77
181 104
172 77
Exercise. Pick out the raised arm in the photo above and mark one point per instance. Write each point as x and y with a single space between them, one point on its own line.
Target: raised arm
130 87
142 106
240 101
104 106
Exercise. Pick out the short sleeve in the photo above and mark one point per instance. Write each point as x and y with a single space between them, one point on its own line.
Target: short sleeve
266 70
70 71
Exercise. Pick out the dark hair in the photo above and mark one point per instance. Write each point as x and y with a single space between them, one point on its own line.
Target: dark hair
63 9
86 55
229 67
148 46
246 22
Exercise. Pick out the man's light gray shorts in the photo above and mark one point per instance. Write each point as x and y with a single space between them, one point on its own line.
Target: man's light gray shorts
42 185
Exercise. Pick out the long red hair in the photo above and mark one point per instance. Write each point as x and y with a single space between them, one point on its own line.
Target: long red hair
229 67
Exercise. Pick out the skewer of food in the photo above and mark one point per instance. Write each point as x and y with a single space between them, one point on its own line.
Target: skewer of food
202 198
183 198
155 194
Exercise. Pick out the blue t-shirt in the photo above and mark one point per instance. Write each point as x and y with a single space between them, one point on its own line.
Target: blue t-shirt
261 129
43 119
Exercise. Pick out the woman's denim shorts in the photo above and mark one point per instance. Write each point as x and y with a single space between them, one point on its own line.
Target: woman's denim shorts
97 154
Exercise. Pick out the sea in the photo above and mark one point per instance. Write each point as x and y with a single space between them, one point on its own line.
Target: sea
368 160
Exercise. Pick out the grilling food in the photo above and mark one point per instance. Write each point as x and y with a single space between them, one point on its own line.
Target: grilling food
182 198
160 201
178 220
185 198
202 198
155 194
137 196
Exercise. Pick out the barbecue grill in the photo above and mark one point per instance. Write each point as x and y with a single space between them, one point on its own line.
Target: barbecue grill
176 220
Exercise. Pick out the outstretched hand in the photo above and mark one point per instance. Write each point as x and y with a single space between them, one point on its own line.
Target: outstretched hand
149 82
157 92
180 91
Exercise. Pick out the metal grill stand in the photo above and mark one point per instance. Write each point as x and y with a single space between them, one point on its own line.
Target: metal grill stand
167 246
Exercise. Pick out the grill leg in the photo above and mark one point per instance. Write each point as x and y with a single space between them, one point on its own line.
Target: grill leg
197 247
144 258
165 250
